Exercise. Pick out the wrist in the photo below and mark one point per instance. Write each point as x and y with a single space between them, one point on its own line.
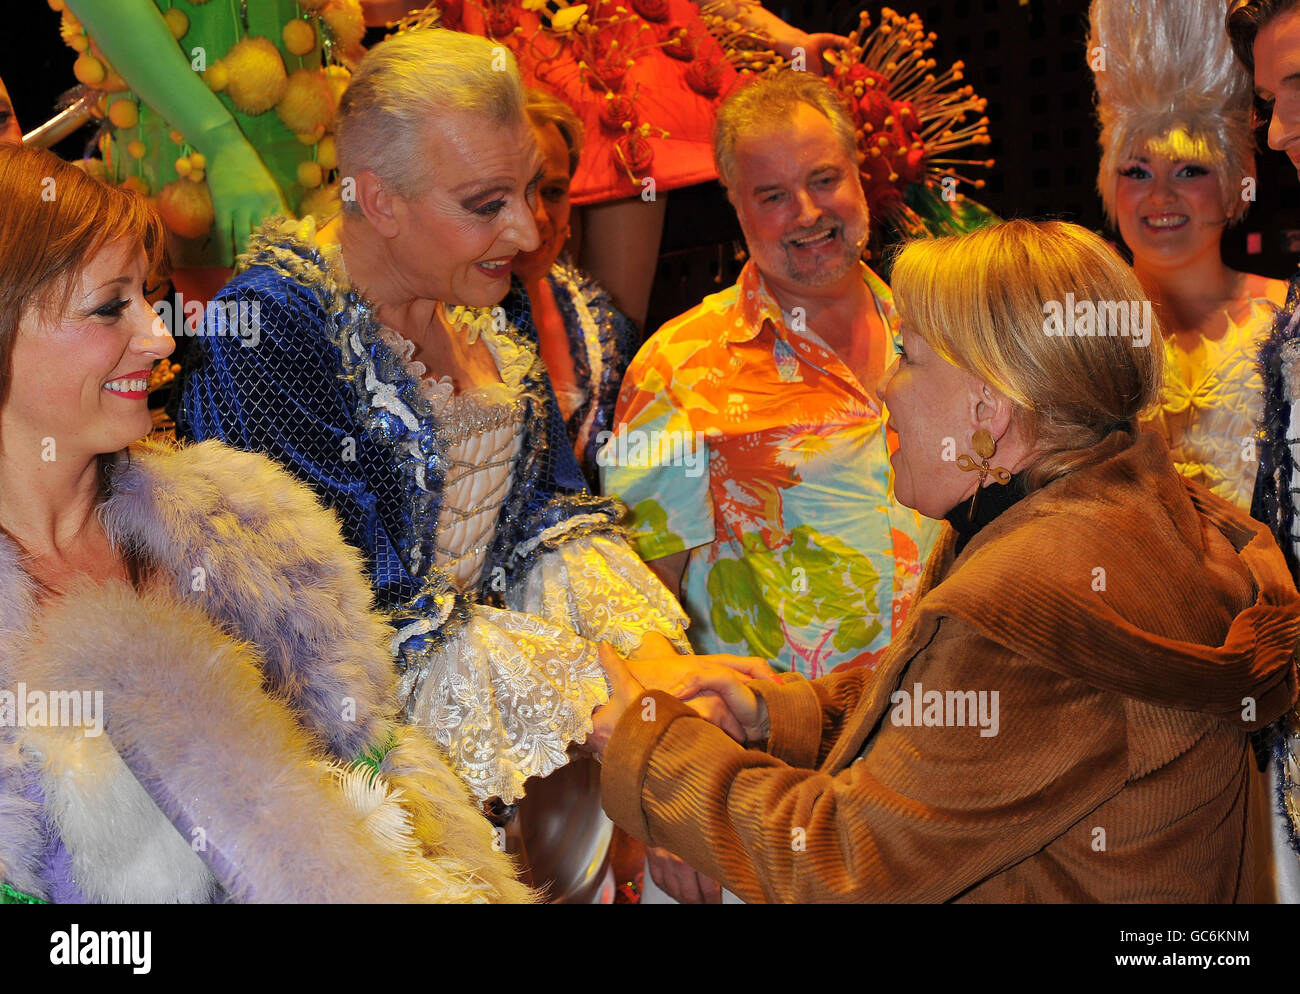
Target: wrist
223 137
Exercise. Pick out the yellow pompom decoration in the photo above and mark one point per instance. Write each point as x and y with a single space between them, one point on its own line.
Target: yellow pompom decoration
78 43
136 149
217 77
186 208
70 28
184 166
321 203
327 153
176 136
307 105
257 76
311 137
199 160
89 70
178 22
310 175
136 184
346 21
339 78
114 83
94 168
124 113
197 176
299 37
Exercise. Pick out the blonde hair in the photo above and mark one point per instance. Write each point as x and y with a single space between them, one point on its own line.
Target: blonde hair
773 98
980 300
404 86
544 109
1168 82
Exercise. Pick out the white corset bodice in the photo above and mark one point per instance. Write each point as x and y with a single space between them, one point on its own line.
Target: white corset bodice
484 431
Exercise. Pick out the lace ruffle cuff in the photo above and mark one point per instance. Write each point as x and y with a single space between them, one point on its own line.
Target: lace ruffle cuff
597 587
504 697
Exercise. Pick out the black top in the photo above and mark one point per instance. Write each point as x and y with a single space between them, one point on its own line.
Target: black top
993 500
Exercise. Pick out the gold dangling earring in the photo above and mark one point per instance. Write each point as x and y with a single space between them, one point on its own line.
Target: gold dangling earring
984 446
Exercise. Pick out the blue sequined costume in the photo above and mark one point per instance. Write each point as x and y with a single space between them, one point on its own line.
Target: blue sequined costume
1277 504
502 668
602 341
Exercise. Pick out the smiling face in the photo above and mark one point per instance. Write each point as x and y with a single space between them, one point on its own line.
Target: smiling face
1169 211
799 201
10 133
931 405
457 240
553 207
1277 81
78 377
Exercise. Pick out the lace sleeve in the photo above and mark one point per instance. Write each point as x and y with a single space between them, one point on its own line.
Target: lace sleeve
503 697
596 587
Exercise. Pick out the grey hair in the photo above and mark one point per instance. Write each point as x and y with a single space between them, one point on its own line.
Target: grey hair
770 98
404 85
1170 83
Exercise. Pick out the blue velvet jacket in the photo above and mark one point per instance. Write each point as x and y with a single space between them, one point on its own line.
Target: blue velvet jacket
291 364
602 342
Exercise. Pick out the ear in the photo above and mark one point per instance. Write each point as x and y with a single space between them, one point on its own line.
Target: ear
990 410
377 203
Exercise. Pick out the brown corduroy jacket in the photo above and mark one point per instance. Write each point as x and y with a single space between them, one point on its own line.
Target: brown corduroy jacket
1134 627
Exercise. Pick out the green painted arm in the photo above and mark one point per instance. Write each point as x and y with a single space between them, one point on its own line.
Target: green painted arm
137 42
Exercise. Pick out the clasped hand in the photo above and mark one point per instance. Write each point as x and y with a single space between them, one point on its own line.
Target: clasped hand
715 687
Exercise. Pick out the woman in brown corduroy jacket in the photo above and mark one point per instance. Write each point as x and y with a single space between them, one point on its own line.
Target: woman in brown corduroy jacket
1066 715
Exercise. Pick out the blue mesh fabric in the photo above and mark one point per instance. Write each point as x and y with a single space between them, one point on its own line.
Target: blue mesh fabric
300 376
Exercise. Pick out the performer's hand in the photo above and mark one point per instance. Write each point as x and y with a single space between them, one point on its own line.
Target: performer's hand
679 880
653 646
785 38
669 673
747 709
244 194
659 670
624 690
816 46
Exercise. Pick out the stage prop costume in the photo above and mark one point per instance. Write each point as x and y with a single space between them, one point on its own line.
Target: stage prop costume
1119 718
602 341
910 121
1277 493
644 76
499 571
746 441
223 110
1168 83
1212 403
248 674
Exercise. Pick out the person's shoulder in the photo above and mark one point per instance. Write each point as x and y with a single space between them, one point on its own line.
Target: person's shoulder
261 308
1260 287
704 325
876 284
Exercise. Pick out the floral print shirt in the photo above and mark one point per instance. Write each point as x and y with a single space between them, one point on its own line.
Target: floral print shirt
742 438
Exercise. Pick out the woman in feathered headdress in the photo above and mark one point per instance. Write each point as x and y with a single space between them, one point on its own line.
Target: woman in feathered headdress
1177 168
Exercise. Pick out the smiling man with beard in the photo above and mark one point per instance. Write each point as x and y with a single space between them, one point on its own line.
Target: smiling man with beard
791 546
